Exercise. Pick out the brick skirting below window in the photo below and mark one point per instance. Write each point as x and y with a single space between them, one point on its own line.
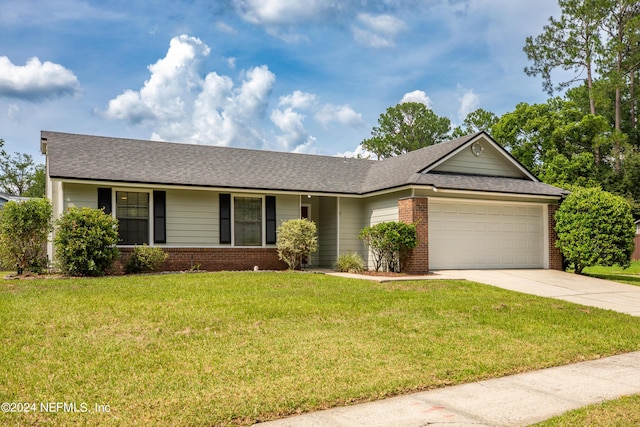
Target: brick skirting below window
215 259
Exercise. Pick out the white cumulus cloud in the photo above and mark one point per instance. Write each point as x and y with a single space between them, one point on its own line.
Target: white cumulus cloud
294 136
182 106
417 96
298 99
278 17
377 30
342 114
469 101
289 119
284 12
359 152
36 80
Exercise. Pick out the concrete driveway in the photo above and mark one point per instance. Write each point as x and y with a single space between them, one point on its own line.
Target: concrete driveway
557 284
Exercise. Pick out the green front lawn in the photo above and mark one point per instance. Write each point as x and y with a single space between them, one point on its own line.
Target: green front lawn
624 411
235 348
630 276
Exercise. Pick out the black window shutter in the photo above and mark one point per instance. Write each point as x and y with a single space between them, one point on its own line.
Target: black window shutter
270 206
104 200
160 217
225 218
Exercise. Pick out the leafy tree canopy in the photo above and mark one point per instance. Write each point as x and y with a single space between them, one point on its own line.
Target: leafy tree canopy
476 121
20 176
536 133
406 127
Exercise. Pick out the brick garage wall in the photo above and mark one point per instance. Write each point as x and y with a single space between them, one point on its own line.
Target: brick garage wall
215 259
415 210
555 256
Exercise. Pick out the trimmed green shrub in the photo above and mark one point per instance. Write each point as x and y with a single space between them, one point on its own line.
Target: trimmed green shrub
296 241
86 242
145 259
24 231
350 262
595 227
390 244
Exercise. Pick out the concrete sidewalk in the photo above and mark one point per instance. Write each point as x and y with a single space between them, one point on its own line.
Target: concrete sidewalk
517 400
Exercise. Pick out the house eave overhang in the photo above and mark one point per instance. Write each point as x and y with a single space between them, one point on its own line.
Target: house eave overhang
413 187
229 189
459 192
43 146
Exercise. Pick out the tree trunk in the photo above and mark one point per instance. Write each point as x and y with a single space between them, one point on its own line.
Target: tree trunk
592 105
632 79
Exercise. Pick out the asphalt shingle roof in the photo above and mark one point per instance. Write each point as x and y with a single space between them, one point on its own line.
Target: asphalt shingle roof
97 158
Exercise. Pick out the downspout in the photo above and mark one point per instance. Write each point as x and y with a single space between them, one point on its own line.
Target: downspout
338 227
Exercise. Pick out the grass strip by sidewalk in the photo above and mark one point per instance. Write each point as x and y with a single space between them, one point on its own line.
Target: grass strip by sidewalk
624 411
236 348
630 275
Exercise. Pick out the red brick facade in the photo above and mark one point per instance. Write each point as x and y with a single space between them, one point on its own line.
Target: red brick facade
555 256
415 210
216 259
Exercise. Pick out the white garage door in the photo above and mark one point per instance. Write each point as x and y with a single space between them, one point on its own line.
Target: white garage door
475 235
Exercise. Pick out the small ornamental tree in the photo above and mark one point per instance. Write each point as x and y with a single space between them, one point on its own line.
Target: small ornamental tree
373 238
296 241
24 231
86 242
595 227
390 244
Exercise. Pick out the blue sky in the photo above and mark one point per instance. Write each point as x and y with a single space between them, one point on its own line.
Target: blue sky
308 76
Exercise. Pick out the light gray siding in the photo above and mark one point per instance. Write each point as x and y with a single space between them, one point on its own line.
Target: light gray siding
489 163
328 231
192 218
351 222
80 196
379 209
382 208
314 205
287 207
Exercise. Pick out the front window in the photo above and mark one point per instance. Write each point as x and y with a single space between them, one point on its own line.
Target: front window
132 212
247 221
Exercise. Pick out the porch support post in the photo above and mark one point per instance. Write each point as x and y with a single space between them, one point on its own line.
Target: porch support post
415 210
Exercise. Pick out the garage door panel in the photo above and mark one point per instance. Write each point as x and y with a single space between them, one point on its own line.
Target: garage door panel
485 235
521 228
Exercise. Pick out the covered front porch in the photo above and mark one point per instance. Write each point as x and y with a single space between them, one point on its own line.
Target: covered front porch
338 221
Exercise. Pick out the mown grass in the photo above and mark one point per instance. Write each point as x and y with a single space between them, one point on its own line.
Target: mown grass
236 348
634 268
622 412
630 276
